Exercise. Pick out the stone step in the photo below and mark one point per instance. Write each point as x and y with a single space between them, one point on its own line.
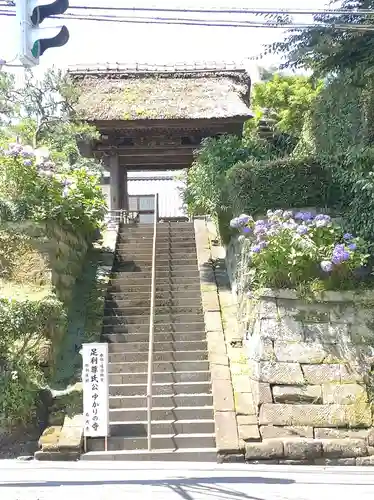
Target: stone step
164 257
165 377
159 441
171 287
112 338
190 272
159 366
145 310
160 236
160 427
171 413
182 455
158 346
145 279
141 357
187 301
196 326
160 389
161 401
159 318
160 257
160 231
130 246
161 226
136 267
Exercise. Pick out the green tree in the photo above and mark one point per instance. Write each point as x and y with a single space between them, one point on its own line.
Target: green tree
284 101
328 49
43 114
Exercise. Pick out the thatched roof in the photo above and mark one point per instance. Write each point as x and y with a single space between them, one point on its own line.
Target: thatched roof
149 92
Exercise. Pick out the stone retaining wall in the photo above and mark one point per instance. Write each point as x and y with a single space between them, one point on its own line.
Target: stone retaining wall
310 372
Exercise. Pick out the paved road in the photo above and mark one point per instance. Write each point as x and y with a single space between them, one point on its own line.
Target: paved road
155 481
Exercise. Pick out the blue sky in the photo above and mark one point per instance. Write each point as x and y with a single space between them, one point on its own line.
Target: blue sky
92 42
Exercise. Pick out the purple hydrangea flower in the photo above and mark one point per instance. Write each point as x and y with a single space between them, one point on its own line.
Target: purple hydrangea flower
352 246
247 230
322 220
301 230
256 249
348 236
243 219
340 254
27 152
304 216
262 244
278 213
326 266
287 214
27 163
234 223
260 227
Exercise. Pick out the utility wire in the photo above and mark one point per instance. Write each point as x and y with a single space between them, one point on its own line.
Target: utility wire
201 22
233 10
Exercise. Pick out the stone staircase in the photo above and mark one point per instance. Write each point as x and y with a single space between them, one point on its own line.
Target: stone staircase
182 416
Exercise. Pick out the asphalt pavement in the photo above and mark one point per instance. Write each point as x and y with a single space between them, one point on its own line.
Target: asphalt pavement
181 481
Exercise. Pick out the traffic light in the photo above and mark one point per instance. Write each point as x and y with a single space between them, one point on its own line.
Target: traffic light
34 40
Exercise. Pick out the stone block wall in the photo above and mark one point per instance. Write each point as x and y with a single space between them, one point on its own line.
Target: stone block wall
310 370
309 362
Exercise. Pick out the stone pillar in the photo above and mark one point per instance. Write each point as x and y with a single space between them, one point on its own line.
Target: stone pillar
115 182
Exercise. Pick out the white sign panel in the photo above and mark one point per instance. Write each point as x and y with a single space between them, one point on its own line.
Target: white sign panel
95 389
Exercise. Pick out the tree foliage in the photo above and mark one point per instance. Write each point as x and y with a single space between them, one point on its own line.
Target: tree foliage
327 49
42 113
285 101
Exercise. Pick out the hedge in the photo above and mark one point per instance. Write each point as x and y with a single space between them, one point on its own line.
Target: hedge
256 187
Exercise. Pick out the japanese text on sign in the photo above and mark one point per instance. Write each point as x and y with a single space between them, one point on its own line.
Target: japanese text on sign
95 389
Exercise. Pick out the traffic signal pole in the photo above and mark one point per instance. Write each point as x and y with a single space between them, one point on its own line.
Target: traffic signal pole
33 39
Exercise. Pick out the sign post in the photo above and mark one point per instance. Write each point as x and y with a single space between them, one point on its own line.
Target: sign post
95 382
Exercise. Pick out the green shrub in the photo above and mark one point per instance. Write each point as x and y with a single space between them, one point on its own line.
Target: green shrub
256 187
24 326
205 192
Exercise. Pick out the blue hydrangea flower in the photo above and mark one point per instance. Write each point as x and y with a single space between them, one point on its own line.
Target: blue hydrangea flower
348 236
27 163
326 266
247 230
352 246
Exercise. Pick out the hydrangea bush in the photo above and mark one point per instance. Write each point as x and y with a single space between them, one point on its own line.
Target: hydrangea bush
291 250
40 190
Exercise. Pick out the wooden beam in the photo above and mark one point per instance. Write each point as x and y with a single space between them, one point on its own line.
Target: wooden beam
173 123
138 150
156 166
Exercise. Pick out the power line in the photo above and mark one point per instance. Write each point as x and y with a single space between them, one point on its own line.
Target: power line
200 22
232 10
